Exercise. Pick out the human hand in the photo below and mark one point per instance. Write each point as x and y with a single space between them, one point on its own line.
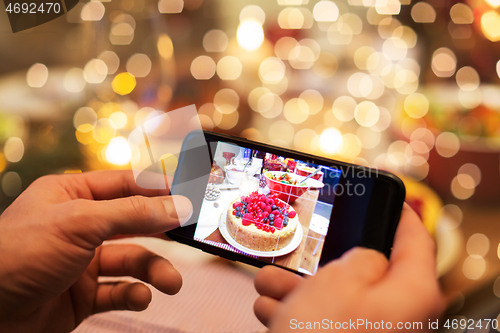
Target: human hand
362 284
51 254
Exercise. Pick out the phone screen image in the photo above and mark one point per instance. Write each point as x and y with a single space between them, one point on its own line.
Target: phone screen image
256 204
259 205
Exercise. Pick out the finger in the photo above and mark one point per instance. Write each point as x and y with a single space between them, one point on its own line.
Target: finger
265 308
136 261
414 251
96 221
359 266
109 184
275 282
122 296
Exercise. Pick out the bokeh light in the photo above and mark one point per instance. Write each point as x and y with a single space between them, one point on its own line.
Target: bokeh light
474 267
250 34
447 144
118 151
124 83
74 80
229 68
139 65
215 40
422 12
330 140
203 67
296 110
478 244
37 75
170 6
253 12
11 184
325 11
13 149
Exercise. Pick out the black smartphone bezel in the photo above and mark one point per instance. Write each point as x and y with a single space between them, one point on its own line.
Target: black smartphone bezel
184 234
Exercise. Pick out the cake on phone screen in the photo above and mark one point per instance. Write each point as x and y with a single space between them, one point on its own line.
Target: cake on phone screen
265 206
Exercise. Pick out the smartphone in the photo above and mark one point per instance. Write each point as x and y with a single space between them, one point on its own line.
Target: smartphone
255 203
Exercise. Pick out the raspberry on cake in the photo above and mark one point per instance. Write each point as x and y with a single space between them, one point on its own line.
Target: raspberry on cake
261 222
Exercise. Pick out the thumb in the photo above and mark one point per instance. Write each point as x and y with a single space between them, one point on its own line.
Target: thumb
96 221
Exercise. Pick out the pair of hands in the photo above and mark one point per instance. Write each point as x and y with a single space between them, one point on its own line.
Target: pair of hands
51 257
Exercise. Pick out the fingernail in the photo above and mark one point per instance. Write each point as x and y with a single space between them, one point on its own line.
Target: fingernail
179 208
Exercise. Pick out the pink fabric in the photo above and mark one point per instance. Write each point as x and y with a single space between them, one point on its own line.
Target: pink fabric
215 297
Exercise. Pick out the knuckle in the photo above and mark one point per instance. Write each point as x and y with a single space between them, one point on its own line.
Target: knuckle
142 207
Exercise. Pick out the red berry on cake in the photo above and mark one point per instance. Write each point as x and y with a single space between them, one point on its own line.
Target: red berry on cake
292 214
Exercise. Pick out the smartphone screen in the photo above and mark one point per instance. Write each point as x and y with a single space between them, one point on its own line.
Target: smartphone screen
259 204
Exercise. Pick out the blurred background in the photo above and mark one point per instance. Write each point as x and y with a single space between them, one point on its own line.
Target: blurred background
402 85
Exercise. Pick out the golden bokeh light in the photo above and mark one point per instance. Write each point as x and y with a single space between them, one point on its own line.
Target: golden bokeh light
330 140
225 121
470 99
406 34
325 11
95 71
123 83
388 7
37 75
422 12
118 151
270 105
13 149
351 22
394 48
272 70
490 25
283 47
361 56
474 267
170 6
226 100
351 146
229 68
111 60
416 105
119 119
296 110
314 100
447 144
459 191
139 65
92 11
343 108
471 170
121 33
85 119
295 18
253 12
203 67
460 13
387 26
250 34
104 131
467 78
12 184
366 113
73 80
165 46
215 40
